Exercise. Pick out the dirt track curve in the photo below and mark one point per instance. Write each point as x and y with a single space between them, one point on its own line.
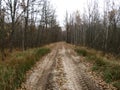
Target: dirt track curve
61 69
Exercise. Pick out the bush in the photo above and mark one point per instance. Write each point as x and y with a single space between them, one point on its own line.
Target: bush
42 51
81 52
91 58
100 62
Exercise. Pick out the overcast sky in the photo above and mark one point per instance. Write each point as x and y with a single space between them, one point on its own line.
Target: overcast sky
70 6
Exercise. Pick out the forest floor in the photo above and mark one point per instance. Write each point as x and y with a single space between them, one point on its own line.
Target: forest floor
63 69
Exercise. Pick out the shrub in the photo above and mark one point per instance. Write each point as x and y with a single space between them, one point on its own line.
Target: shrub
81 52
100 62
91 58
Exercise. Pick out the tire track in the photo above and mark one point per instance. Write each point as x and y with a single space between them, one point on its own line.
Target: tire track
80 79
38 77
61 70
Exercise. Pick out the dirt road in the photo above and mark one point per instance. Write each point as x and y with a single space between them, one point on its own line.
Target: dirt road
61 69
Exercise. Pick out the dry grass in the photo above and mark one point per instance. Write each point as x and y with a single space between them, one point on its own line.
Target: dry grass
13 69
115 59
105 64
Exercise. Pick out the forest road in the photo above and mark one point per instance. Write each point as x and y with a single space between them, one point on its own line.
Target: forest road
62 69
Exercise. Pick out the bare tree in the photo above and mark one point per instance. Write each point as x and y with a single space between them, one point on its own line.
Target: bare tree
2 31
95 29
67 27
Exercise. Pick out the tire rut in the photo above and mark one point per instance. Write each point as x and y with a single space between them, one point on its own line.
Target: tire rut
83 79
57 78
61 70
41 84
38 77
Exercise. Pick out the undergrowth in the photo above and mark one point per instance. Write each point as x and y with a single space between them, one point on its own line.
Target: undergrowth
110 71
13 70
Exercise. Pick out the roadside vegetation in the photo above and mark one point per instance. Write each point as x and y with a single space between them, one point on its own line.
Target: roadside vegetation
103 64
14 68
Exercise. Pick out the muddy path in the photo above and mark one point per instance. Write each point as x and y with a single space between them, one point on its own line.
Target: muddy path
61 69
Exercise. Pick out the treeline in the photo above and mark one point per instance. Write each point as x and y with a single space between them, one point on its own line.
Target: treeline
27 23
95 28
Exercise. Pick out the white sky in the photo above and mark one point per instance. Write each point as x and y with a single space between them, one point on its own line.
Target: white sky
62 6
71 6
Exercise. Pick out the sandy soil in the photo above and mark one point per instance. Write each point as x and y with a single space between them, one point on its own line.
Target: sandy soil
62 69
